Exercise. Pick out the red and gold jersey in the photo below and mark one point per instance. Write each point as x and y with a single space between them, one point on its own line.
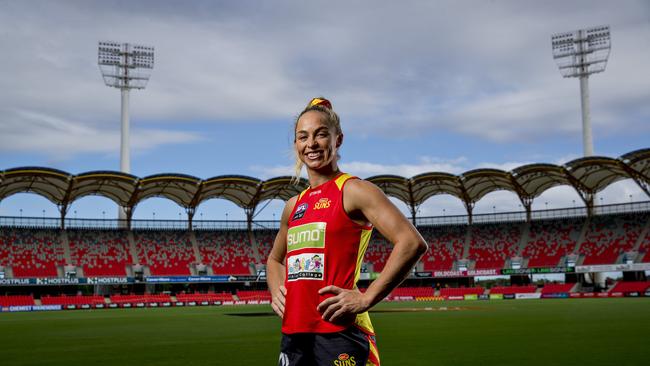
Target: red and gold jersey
324 247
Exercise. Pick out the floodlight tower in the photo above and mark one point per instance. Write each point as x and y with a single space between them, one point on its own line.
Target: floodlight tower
125 66
579 54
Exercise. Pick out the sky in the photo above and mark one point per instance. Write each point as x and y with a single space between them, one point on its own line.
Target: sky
420 86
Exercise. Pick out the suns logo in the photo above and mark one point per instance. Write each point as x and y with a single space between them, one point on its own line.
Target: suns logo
345 360
322 203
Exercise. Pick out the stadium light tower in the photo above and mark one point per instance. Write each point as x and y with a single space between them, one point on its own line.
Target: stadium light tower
125 66
579 54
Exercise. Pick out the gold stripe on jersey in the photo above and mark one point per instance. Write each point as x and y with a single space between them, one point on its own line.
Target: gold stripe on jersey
363 245
340 180
363 320
373 358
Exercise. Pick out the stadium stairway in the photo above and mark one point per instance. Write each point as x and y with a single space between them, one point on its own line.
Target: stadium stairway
253 241
65 243
195 247
523 239
642 236
581 239
468 240
132 248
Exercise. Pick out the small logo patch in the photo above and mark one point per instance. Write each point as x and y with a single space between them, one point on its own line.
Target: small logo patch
306 266
345 359
300 211
322 203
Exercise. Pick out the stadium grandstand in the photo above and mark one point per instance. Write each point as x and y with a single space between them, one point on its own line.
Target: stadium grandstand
101 263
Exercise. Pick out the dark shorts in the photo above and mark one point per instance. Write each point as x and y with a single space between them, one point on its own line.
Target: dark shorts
351 347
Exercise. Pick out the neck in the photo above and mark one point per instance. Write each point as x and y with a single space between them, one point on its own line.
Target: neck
318 177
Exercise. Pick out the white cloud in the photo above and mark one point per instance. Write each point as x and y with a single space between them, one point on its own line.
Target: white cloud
29 131
366 169
487 72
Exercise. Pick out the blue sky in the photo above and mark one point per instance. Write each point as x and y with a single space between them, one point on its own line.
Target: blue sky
420 86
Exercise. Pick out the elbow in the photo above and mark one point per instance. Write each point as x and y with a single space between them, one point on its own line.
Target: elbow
421 248
416 248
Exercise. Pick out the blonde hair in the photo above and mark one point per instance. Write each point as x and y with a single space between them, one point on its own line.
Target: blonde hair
323 106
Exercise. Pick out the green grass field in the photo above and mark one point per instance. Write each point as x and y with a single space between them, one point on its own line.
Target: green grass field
510 332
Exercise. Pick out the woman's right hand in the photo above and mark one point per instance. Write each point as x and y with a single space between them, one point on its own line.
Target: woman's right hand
277 300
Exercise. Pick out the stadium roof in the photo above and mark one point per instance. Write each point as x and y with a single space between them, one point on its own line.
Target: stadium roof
587 176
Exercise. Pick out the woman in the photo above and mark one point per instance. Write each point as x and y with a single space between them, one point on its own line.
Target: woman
316 258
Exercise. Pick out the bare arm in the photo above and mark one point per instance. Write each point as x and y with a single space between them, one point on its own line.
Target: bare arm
367 201
275 271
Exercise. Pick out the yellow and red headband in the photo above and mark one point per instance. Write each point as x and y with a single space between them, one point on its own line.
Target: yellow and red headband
320 101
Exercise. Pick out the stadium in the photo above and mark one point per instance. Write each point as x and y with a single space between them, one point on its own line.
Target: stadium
455 111
97 265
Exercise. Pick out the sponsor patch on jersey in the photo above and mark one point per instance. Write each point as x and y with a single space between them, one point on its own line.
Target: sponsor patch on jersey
310 235
313 193
322 203
306 266
344 359
300 211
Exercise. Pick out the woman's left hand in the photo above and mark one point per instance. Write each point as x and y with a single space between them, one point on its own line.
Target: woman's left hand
343 305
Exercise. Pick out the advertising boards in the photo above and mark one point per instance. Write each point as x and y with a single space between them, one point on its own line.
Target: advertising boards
525 271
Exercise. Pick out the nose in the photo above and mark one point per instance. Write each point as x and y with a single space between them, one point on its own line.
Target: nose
311 141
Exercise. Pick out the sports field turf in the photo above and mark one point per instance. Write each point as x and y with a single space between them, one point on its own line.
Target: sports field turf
510 332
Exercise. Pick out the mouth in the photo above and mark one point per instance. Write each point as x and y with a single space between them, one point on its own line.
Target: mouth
314 155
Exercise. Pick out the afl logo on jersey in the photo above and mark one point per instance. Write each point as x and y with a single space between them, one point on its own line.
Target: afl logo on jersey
322 203
300 211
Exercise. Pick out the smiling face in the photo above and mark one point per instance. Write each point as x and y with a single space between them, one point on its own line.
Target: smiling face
317 142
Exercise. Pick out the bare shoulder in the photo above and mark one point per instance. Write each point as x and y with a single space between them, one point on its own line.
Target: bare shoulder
358 193
359 188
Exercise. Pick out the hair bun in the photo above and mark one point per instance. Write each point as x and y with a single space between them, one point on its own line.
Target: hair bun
320 101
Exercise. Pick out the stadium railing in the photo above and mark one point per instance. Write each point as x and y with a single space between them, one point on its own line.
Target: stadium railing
55 222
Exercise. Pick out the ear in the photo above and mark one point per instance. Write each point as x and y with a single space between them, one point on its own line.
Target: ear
339 140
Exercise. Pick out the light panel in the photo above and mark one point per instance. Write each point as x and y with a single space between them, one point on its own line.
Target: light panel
124 65
582 52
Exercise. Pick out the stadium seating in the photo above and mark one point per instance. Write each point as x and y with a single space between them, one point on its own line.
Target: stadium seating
462 291
72 300
624 287
166 252
550 240
199 297
609 236
551 288
492 244
445 246
378 251
16 300
644 248
226 251
31 252
264 239
134 299
255 295
100 253
412 292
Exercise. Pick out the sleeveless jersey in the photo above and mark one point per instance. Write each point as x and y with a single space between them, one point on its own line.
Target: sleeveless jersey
324 247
